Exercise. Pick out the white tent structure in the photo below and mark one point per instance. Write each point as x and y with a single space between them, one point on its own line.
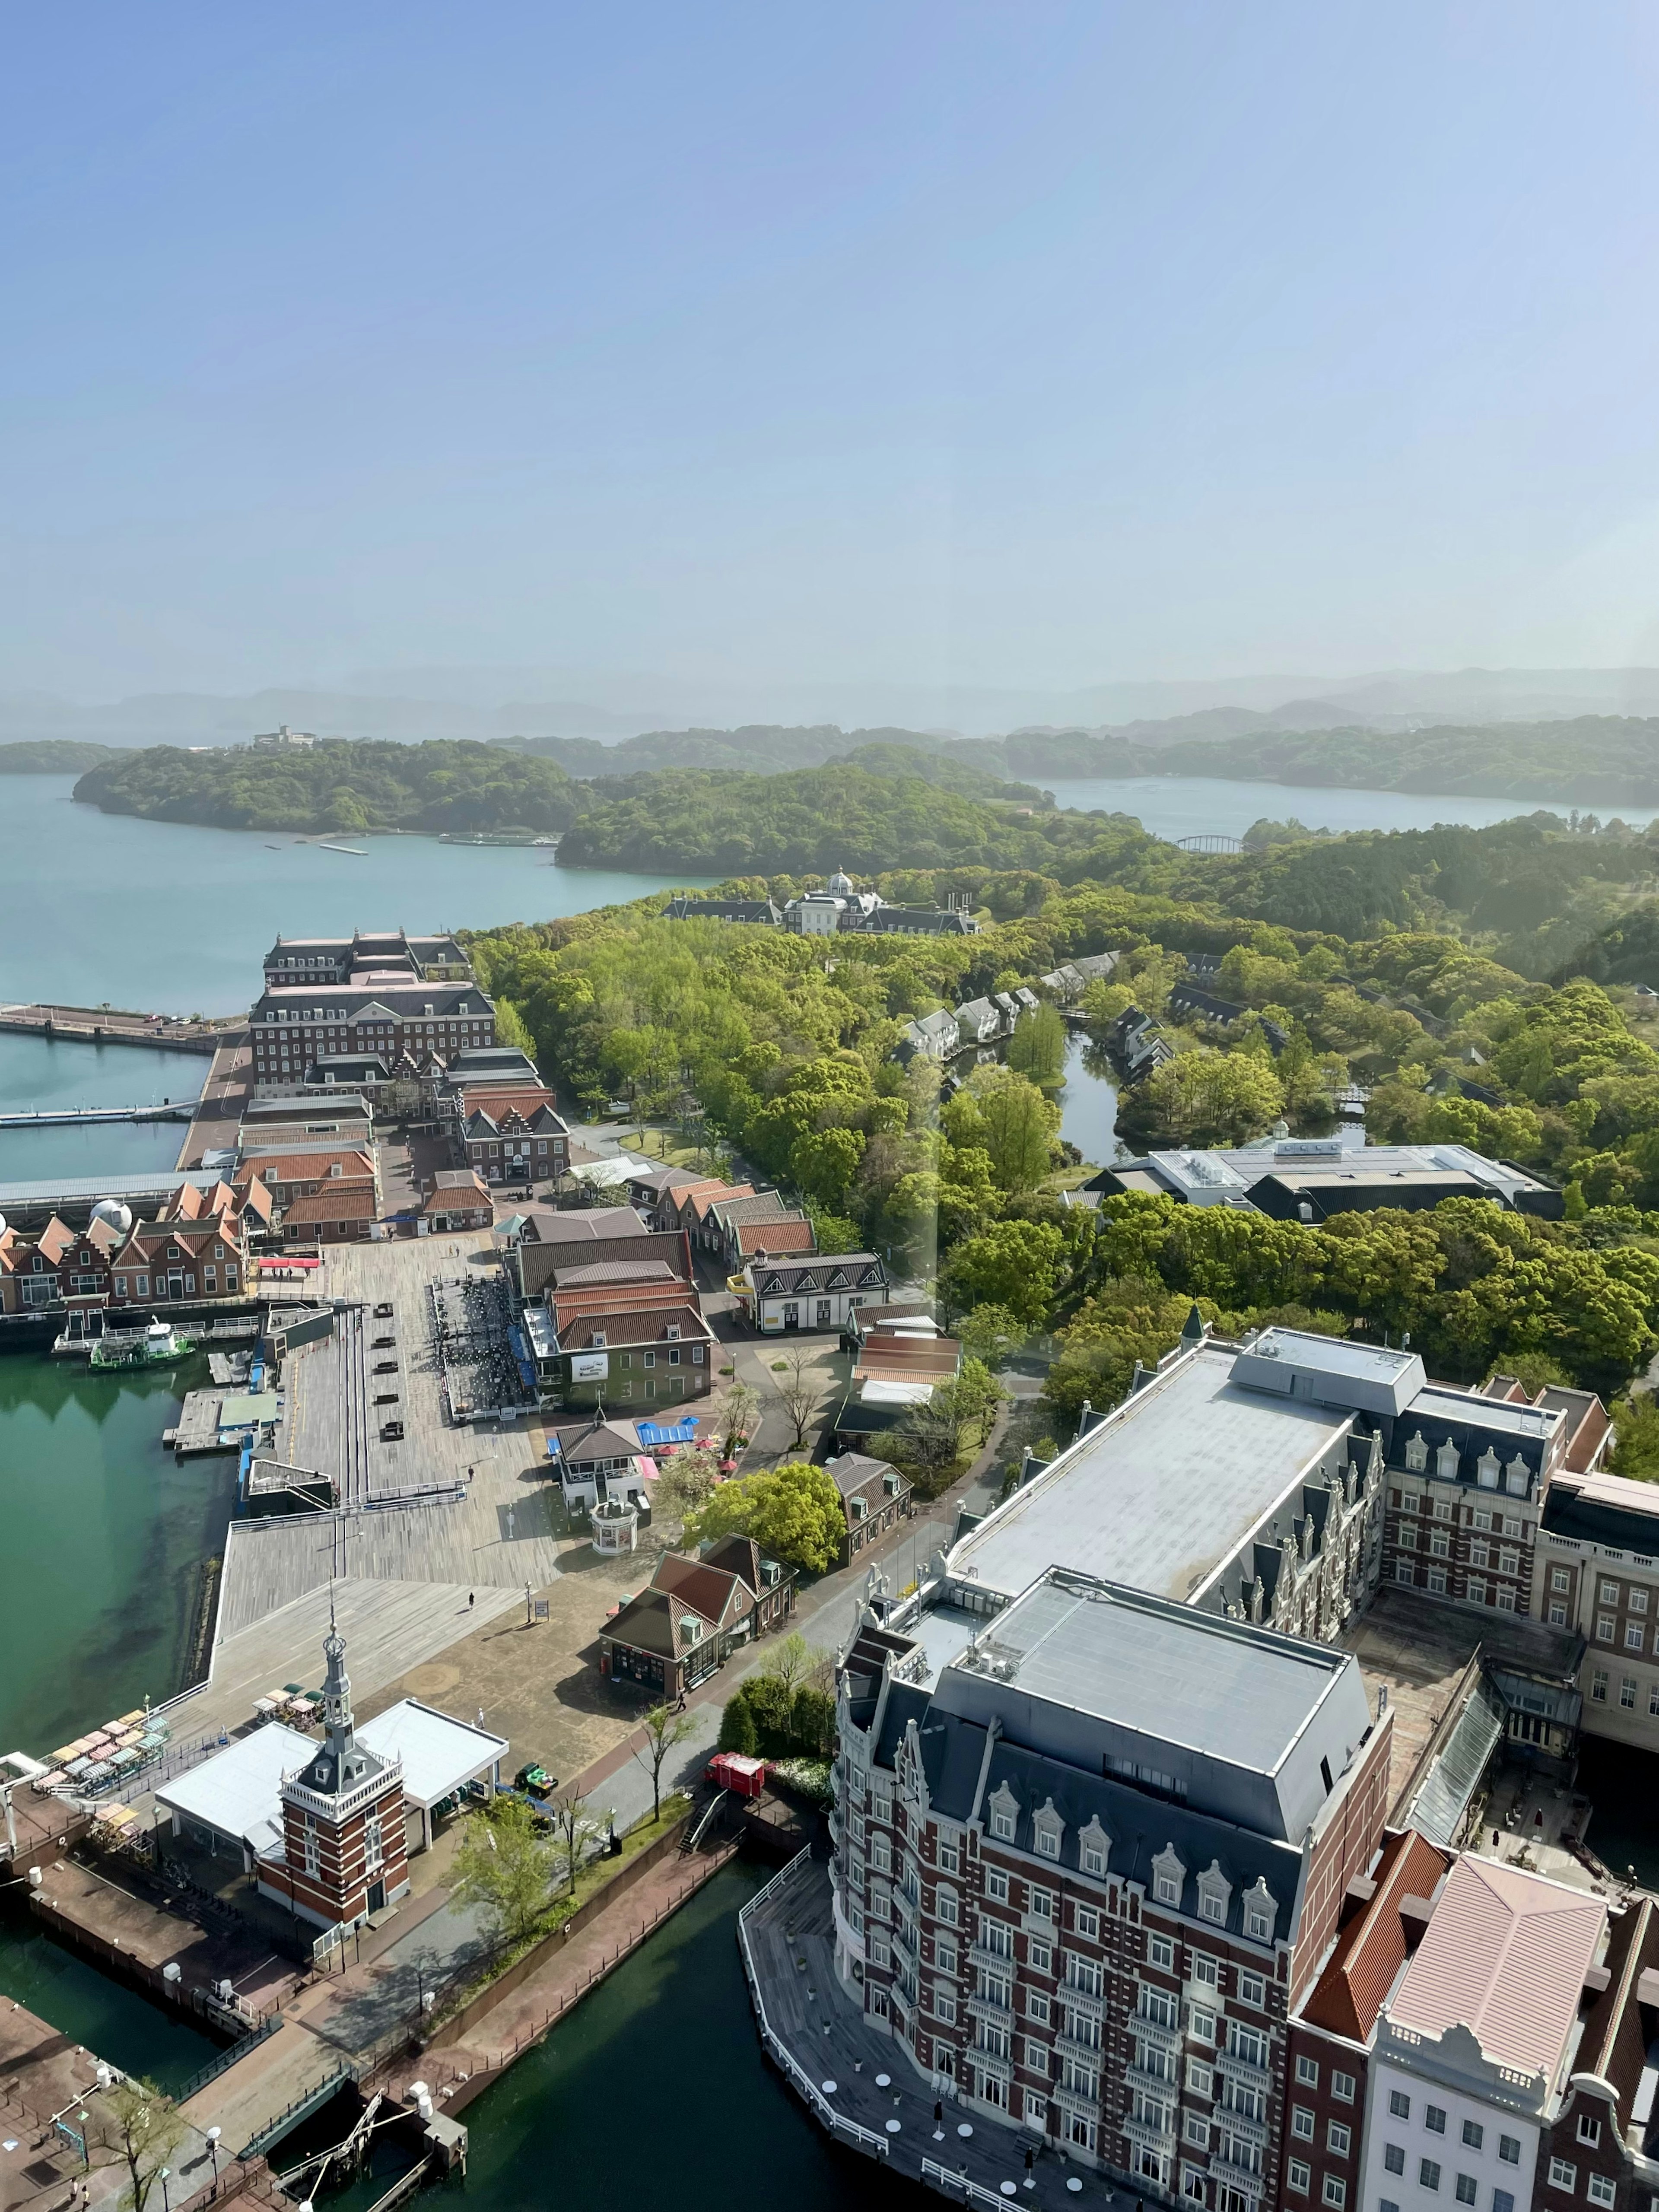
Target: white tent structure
440 1755
231 1804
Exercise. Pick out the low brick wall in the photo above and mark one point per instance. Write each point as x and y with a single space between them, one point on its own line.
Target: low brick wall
456 2026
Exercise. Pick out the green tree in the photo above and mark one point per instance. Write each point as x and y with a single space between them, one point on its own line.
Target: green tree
1037 1048
1012 1265
575 1829
504 1866
664 1730
1211 1098
143 2127
793 1511
1000 1113
990 1333
738 1723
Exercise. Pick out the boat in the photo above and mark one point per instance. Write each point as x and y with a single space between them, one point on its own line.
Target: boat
158 1346
357 851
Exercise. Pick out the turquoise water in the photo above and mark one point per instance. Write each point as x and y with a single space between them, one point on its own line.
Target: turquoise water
1193 805
158 918
105 1531
110 2020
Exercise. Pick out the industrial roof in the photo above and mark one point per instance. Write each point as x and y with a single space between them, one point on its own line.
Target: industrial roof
1163 1491
67 1190
238 1791
439 1754
1504 1954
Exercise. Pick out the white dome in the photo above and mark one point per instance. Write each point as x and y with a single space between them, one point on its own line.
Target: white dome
840 884
112 1211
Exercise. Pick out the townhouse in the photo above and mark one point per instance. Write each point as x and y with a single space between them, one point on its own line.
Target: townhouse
874 1498
510 1134
198 1248
697 1610
623 1334
777 1292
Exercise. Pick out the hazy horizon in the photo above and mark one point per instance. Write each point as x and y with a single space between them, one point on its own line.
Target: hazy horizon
909 351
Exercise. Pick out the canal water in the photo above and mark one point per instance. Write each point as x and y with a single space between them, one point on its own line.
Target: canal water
1176 807
1088 1104
111 2020
158 918
105 1533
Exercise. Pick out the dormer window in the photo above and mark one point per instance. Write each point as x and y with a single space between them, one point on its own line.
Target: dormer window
1485 1469
599 1339
1516 1477
673 1329
1169 1877
1445 1461
1417 1454
1261 1911
1214 1893
1005 1813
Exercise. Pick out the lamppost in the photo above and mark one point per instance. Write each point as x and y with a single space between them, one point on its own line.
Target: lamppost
213 2145
166 2202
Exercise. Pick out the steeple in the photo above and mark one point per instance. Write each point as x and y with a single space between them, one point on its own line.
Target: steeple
341 1763
1194 1330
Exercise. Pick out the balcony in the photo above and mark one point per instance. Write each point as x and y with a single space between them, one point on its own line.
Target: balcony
1230 2067
999 1962
1155 2084
1082 2108
1086 2054
1242 2124
996 2015
1083 2001
1144 2135
1153 2032
991 2062
1241 2173
904 1950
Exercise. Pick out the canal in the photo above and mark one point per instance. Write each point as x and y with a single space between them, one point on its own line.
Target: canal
106 1532
111 2021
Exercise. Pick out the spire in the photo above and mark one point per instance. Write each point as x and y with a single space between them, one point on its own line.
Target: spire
1194 1330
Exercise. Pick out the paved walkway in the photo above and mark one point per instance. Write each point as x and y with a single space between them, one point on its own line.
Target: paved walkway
849 2071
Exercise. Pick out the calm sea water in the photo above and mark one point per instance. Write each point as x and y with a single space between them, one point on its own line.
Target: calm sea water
1189 806
157 918
109 2020
104 1532
40 1072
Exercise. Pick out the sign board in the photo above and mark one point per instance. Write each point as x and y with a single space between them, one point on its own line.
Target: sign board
589 1366
541 1609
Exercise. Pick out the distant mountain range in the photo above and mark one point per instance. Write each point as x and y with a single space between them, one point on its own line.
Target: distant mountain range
412 704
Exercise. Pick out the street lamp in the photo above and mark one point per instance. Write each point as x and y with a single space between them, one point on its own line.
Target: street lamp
213 2145
167 2203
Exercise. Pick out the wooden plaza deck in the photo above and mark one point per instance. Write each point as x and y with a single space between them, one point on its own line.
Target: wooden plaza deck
862 2087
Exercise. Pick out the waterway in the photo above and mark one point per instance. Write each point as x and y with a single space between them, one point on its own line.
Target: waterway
110 2020
156 917
1176 807
105 1533
40 1072
1088 1104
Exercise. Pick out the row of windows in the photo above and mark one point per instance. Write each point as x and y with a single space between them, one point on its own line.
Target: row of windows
1434 2119
1307 2073
1477 1589
1298 2176
1635 1639
1629 1693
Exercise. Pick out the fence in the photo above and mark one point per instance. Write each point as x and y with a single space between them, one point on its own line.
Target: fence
215 2067
848 2131
941 2177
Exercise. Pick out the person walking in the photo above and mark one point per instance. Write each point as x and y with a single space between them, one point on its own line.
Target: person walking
471 1599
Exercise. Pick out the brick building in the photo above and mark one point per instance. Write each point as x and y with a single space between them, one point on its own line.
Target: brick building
343 1852
196 1249
412 1003
1091 1849
1597 1571
511 1135
874 1496
696 1611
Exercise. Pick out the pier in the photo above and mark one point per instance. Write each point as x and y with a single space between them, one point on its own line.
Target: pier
107 1025
58 1117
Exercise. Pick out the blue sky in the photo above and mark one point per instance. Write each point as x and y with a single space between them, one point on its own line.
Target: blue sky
1030 344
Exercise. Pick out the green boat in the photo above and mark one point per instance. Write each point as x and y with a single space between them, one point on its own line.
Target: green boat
158 1346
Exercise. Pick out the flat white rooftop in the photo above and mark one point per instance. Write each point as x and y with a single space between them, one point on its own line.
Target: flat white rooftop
239 1790
440 1755
1163 1492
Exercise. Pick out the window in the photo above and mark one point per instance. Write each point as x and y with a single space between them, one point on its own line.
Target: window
1563 2175
1299 2175
1337 2139
1257 1923
1434 2119
1428 2174
1502 2200
945 2004
1201 2080
1161 1951
1039 1957
1252 1990
1307 2071
1627 1694
1040 1904
1393 2157
1196 2129
1601 2189
1399 2104
1474 2134
1247 2043
1302 2122
1094 1860
1466 2191
1002 1824
1037 2004
1633 1636
1047 1844
1212 1907
1637 1601
1087 1923
996 1885
1599 1686
1037 2111
1557 1615
946 1909
1202 2021
944 1957
1167 1889
947 1857
1335 2191
1205 1971
1509 2149
1342 2088
1590 2130
1609 1593
996 1938
1653 1702
1604 1625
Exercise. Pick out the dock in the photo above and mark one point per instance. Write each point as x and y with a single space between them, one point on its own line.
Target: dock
62 1117
107 1025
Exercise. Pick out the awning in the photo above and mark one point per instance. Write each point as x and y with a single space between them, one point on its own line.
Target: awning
646 1469
655 1433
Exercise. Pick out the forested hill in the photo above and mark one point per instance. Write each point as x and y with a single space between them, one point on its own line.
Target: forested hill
444 785
1598 760
763 748
52 757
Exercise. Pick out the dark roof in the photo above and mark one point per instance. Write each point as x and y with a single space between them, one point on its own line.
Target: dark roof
854 1471
595 1224
1592 1520
624 1326
615 1272
650 1622
836 1271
